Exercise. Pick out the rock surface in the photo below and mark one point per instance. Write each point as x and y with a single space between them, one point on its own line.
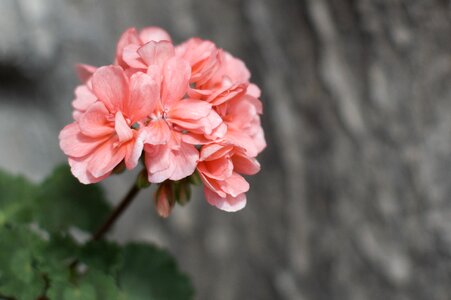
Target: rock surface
353 199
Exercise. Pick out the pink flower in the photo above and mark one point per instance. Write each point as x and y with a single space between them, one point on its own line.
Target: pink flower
103 135
167 156
203 57
220 167
127 48
184 108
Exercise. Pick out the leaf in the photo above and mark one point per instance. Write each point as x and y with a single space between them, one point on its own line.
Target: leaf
151 273
18 263
16 195
63 202
93 285
102 255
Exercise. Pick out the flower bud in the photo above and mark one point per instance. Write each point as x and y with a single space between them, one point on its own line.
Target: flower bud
164 199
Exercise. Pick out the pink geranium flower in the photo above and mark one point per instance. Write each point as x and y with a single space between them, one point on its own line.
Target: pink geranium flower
184 108
220 167
167 156
103 135
131 40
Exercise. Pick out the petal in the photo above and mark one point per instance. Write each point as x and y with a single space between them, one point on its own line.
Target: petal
133 153
176 74
144 96
75 144
189 109
156 133
110 86
123 130
153 34
105 158
235 69
242 139
84 72
253 90
228 93
94 121
229 203
218 169
130 36
156 53
214 151
234 185
131 57
78 167
83 98
159 162
185 161
245 165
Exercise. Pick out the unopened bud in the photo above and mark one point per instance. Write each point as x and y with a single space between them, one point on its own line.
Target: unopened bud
141 181
183 192
164 199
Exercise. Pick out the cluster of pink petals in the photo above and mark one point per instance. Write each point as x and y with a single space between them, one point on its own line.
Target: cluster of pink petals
184 108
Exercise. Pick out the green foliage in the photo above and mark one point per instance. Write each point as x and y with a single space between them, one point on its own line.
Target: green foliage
63 202
39 259
150 273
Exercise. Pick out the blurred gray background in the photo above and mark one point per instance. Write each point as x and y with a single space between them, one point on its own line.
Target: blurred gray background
353 200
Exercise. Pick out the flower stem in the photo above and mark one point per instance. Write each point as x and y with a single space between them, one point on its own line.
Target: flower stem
116 213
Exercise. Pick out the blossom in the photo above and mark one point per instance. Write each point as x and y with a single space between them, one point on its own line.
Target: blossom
127 55
220 167
103 135
183 109
167 156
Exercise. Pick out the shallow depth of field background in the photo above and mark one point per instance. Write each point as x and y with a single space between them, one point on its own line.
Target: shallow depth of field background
354 197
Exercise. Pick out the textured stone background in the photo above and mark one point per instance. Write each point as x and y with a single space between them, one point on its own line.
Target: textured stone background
353 200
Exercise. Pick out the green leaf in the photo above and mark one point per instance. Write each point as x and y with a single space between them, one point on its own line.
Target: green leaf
16 195
151 273
102 255
63 202
18 263
92 285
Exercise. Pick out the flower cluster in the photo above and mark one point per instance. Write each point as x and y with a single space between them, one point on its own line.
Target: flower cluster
181 108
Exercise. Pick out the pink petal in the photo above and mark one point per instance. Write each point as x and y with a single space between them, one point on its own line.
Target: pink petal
156 53
131 57
185 161
153 34
156 133
105 158
214 151
236 70
225 94
85 72
75 144
242 139
110 86
78 167
83 98
245 165
176 74
159 163
189 109
123 130
133 153
94 121
234 185
229 203
253 90
218 169
130 36
144 96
